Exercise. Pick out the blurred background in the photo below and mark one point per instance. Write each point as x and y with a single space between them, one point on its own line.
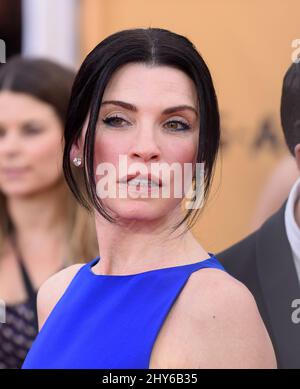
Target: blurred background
248 46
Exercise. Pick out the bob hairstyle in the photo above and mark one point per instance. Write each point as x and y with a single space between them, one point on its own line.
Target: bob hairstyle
50 83
153 47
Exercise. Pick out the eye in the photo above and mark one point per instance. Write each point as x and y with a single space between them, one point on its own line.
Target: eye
2 132
114 121
31 130
175 128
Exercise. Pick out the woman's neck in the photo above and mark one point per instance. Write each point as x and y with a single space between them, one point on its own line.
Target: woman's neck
40 220
139 246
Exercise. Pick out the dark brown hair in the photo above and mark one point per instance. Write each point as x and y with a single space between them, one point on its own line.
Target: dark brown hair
41 78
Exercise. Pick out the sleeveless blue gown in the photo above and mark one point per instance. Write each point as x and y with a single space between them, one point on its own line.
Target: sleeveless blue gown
109 321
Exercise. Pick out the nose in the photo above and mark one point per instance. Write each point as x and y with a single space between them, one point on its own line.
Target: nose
145 146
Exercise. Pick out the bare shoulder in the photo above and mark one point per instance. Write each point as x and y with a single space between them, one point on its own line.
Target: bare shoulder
217 287
234 332
222 323
52 290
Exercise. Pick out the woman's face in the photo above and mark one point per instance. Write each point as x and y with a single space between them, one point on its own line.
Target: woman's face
30 145
144 133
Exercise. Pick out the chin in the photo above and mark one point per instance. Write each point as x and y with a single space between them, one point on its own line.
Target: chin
19 189
14 190
137 210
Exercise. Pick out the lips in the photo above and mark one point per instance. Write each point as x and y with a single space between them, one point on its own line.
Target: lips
137 175
13 171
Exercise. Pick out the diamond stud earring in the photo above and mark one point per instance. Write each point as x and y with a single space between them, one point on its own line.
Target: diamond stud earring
77 161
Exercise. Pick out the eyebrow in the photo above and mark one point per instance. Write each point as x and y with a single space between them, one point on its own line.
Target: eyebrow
26 122
166 111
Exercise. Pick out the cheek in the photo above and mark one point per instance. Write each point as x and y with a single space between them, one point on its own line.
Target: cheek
109 148
46 154
182 151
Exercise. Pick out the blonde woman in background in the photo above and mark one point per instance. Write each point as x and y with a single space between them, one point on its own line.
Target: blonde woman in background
42 229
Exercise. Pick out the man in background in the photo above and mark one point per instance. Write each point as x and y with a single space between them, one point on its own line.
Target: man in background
268 260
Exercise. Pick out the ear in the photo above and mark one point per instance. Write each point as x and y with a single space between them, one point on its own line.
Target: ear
76 150
297 155
78 145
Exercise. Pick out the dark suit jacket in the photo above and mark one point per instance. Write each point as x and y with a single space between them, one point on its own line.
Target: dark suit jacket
263 262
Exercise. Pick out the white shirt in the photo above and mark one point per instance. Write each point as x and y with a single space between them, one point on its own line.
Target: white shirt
291 226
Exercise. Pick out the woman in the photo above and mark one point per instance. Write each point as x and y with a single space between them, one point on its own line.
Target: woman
42 228
145 94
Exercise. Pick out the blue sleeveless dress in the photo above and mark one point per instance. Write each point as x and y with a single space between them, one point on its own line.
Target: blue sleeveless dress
109 321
